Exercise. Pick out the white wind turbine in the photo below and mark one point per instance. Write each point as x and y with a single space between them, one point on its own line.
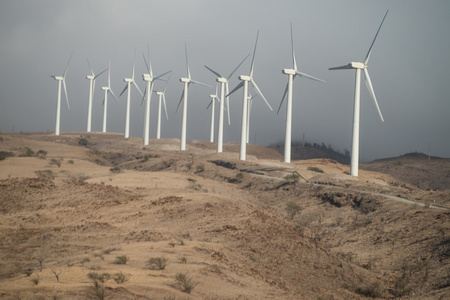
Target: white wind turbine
358 66
249 110
245 80
186 80
129 81
162 98
92 77
291 76
107 90
58 101
224 84
213 105
148 91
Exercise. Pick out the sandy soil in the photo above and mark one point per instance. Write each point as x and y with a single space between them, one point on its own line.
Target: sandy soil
73 211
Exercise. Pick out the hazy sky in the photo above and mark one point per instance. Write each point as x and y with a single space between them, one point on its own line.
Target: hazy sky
409 67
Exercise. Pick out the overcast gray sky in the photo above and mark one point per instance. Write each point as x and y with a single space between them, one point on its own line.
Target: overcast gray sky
408 67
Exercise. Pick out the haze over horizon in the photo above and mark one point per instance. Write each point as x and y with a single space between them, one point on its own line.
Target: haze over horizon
408 67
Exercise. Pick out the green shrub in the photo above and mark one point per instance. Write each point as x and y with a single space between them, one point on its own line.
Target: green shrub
83 142
185 283
115 169
120 260
5 154
157 263
41 154
292 208
293 176
28 152
120 278
315 169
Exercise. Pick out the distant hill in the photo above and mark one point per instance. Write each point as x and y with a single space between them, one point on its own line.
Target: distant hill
313 150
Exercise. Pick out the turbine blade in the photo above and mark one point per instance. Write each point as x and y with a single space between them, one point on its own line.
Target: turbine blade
90 68
103 102
146 64
346 67
112 93
149 62
165 107
65 71
371 91
124 89
293 52
210 103
308 76
282 99
187 62
260 93
228 103
241 84
100 73
93 87
65 92
228 78
134 63
201 83
366 60
214 72
143 96
181 99
158 77
134 83
217 88
109 75
167 82
253 58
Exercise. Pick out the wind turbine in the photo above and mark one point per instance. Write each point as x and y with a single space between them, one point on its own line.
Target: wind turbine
186 80
249 110
148 91
162 98
224 83
107 90
92 77
245 80
129 81
291 76
358 66
212 104
58 101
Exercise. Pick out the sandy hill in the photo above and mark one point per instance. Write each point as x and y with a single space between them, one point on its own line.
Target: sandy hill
94 216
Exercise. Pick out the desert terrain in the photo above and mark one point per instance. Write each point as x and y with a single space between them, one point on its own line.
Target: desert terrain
95 216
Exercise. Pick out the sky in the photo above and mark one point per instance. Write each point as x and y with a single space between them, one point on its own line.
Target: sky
408 67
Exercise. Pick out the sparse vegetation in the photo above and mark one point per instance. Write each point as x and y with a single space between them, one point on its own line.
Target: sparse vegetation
115 169
35 280
98 281
45 174
83 142
372 290
157 263
185 283
121 260
120 278
57 273
28 152
292 177
5 154
183 259
56 162
292 208
315 169
41 154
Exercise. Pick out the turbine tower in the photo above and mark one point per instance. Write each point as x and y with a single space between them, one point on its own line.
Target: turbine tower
358 66
186 80
148 91
107 90
92 77
58 101
129 81
162 98
212 104
291 76
224 83
245 80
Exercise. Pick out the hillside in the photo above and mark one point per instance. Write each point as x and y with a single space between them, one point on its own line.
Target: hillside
79 206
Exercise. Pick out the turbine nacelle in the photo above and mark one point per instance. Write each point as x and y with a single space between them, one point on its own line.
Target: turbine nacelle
185 80
289 71
357 65
159 93
90 77
222 80
105 88
128 80
58 77
147 77
245 78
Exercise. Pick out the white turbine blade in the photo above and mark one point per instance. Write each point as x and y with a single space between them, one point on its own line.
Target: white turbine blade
201 83
210 103
371 91
112 93
134 83
150 71
181 99
100 73
293 52
346 67
253 58
103 102
124 89
284 96
65 92
260 93
241 84
231 74
159 77
65 71
146 64
187 62
109 75
167 82
143 96
165 107
366 60
217 89
308 76
228 103
214 72
90 68
93 86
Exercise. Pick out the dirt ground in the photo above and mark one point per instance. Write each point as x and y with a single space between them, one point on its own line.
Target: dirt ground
95 216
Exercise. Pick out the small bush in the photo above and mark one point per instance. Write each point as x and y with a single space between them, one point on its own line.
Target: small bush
183 259
56 272
102 278
184 283
240 175
115 169
28 152
120 260
293 176
292 208
120 278
35 280
41 154
5 154
157 263
373 290
28 272
70 161
56 162
45 174
315 169
83 142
